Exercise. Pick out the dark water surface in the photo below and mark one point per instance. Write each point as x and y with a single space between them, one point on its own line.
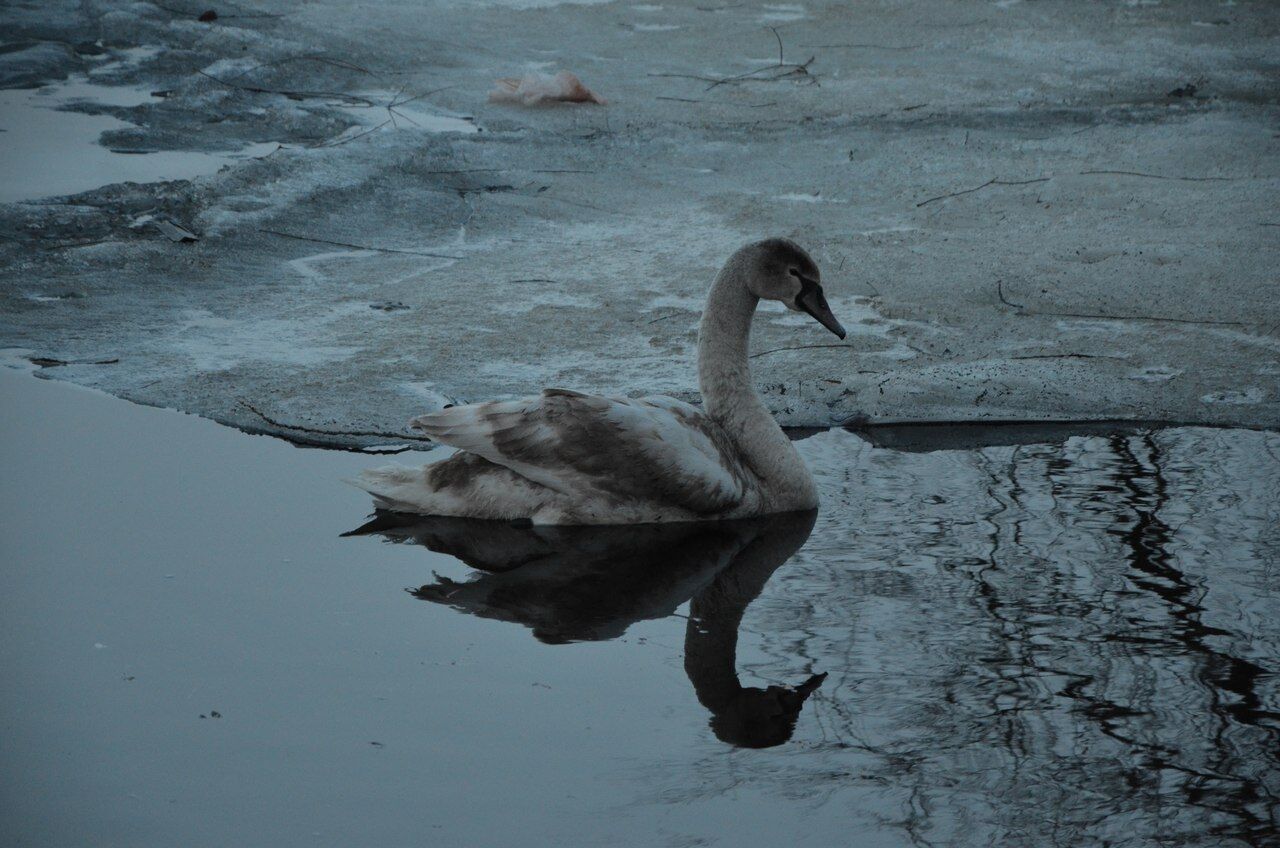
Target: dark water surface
1073 641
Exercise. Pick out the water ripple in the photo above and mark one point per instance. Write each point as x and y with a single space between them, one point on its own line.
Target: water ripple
1058 643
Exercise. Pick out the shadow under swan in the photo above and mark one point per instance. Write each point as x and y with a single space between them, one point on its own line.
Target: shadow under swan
570 584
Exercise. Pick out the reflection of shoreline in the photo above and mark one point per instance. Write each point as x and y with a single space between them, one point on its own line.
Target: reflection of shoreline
1231 682
591 583
1059 643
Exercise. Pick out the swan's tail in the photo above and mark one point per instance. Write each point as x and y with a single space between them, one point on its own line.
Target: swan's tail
393 487
464 485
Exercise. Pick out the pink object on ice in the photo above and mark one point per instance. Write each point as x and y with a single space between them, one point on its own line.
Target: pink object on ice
532 89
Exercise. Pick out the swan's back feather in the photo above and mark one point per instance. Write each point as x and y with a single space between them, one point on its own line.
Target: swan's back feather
648 450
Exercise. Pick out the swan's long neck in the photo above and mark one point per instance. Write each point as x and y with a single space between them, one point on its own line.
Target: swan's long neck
724 377
724 372
711 647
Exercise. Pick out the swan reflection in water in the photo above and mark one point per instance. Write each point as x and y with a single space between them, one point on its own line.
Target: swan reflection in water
570 584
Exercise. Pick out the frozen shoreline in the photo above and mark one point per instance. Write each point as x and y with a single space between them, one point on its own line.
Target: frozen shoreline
1015 219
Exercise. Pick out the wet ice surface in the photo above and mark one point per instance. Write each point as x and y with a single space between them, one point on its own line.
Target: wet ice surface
1015 216
397 110
1059 642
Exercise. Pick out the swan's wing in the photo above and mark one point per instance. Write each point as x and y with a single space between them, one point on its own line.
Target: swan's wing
649 449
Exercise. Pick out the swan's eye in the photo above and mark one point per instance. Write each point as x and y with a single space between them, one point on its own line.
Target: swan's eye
804 279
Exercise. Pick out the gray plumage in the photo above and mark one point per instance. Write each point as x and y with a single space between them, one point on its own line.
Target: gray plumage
564 457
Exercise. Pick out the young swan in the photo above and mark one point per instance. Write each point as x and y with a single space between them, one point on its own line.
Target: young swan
568 458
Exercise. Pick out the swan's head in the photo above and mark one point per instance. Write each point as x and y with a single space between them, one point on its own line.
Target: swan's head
781 270
762 718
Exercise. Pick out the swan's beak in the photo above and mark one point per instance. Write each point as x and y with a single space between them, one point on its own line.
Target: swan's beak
812 300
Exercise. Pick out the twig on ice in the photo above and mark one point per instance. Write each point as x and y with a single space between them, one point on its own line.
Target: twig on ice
1003 299
319 58
292 95
801 69
795 347
359 246
338 142
990 182
1100 317
783 69
406 437
1160 177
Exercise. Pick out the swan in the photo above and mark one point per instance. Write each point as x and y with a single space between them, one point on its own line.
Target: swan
567 458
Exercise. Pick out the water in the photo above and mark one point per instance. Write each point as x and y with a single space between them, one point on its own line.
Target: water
46 150
1072 640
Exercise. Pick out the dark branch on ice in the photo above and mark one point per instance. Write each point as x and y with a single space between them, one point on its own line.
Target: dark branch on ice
359 246
990 182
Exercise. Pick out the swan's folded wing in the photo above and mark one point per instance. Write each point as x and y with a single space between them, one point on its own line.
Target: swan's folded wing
655 449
